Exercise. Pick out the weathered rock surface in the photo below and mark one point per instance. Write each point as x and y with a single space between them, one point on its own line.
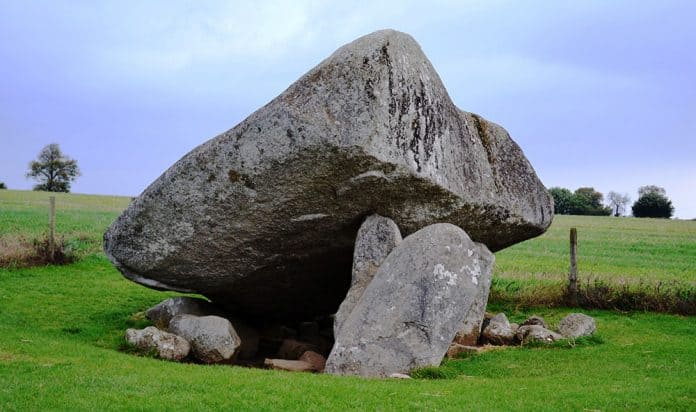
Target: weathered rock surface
163 312
377 237
499 331
264 216
577 325
289 365
528 333
470 329
166 345
292 349
534 320
410 312
212 338
317 361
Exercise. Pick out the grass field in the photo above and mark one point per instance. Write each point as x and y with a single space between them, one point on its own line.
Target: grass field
61 329
619 249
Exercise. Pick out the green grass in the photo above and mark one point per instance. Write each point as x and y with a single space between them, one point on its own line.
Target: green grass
80 219
61 329
609 248
61 332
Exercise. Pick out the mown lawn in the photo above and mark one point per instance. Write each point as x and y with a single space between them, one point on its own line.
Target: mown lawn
61 332
61 328
609 248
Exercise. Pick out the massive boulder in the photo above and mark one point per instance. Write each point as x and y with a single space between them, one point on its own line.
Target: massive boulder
413 307
265 215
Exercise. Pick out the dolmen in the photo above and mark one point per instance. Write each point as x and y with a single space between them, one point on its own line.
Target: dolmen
360 191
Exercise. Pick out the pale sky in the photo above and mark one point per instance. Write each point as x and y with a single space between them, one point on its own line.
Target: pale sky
596 93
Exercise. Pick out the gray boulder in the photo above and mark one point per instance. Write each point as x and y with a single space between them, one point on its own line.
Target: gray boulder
577 325
534 320
528 333
376 238
265 215
212 338
165 345
410 312
499 331
163 312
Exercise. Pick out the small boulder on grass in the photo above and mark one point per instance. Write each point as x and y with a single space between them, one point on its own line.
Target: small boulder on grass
577 325
534 320
212 338
162 313
537 333
499 331
165 345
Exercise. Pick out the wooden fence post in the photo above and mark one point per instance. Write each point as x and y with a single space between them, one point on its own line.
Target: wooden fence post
573 272
52 228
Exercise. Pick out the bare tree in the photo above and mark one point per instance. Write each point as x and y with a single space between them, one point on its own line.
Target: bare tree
53 170
618 202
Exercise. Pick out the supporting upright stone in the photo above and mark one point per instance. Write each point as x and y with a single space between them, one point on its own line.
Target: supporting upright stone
376 238
411 310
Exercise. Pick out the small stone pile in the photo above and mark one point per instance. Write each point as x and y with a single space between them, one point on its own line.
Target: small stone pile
496 330
194 329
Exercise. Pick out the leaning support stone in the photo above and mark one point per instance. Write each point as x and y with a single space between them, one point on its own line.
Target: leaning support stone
410 312
376 238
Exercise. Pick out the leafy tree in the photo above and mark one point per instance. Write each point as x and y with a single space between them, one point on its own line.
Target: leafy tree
561 200
585 201
644 190
2 185
653 204
54 171
588 201
618 202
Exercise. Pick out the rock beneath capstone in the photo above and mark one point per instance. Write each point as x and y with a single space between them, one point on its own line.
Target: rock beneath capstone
499 331
317 361
289 365
526 334
577 325
410 312
292 349
534 320
377 237
264 216
212 338
163 312
399 376
166 345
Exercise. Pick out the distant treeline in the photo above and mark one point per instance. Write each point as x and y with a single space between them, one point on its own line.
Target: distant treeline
652 202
